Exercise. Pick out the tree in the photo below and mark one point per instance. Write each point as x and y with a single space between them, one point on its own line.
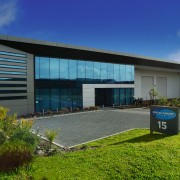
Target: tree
153 94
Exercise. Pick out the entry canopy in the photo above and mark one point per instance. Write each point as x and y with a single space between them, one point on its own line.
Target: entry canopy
58 50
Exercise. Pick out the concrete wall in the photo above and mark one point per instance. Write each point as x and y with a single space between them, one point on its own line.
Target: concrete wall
19 106
173 82
89 91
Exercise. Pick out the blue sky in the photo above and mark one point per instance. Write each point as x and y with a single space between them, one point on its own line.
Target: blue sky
142 27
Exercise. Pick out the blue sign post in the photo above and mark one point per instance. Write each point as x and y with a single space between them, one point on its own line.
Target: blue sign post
164 119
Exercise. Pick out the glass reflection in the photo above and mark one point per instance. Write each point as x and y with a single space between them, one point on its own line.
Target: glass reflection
64 69
44 99
58 82
89 71
81 70
97 72
128 73
54 99
110 73
122 96
104 74
44 68
116 73
37 67
72 69
122 73
54 68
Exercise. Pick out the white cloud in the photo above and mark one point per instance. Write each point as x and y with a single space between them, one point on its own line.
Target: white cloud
8 12
178 33
175 56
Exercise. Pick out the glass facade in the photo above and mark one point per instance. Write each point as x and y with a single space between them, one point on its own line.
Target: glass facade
113 96
58 82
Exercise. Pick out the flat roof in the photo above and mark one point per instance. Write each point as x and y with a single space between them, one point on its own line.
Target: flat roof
60 50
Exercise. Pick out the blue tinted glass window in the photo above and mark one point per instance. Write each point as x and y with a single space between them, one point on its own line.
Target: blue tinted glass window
72 69
44 99
132 95
89 71
44 68
54 68
65 100
111 72
104 74
75 97
128 73
132 69
122 73
116 73
37 67
81 69
97 72
116 96
54 99
59 92
64 69
12 54
128 95
122 96
37 101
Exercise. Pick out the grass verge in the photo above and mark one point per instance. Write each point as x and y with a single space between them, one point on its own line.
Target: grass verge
132 155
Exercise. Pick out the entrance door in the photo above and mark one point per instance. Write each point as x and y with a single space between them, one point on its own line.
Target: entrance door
103 96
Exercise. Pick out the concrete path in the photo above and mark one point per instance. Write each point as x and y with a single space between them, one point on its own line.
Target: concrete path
83 127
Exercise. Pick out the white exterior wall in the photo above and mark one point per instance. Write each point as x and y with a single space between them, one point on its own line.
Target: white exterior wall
89 91
173 81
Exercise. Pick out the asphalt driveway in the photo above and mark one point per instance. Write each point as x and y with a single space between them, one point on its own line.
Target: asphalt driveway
83 127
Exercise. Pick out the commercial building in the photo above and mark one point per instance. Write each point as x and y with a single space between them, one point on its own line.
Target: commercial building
37 75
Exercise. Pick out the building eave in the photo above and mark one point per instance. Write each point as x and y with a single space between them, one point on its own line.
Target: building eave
59 50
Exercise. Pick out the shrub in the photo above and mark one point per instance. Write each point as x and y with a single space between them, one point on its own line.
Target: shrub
162 100
7 123
3 137
146 103
93 108
65 110
38 114
175 102
16 140
22 133
25 136
3 112
76 109
49 112
50 135
14 155
86 109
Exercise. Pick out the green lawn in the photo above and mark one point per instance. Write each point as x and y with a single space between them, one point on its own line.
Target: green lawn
132 155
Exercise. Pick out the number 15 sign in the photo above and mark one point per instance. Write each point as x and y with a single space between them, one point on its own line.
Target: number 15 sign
164 119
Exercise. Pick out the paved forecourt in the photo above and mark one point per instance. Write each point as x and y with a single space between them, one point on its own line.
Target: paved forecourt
79 128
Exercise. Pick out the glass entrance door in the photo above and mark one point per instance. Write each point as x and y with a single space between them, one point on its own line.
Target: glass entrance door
116 96
103 96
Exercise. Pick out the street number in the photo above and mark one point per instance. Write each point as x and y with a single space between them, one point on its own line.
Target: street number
162 125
